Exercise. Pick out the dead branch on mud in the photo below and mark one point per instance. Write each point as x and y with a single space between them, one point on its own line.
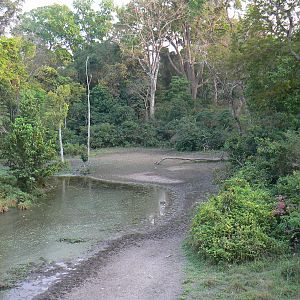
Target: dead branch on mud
192 159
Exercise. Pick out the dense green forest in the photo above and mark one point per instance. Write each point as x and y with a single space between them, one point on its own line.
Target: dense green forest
194 75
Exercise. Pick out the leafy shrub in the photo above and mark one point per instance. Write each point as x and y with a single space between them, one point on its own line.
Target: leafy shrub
274 156
74 149
288 188
129 134
11 196
253 175
242 147
70 137
120 114
208 129
178 101
103 135
149 134
188 136
236 224
106 109
29 154
7 179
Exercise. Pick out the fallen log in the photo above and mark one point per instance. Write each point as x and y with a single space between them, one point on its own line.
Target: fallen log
192 159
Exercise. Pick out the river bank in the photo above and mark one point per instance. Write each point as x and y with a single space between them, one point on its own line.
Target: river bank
146 263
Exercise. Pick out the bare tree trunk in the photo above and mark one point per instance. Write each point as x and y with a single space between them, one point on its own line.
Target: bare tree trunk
147 111
152 97
216 96
61 144
153 86
235 116
194 90
88 82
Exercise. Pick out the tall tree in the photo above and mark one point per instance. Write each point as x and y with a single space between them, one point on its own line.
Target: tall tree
8 11
53 26
204 25
144 26
58 110
88 84
280 18
94 24
12 73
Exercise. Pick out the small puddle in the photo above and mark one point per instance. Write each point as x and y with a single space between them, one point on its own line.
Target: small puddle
75 216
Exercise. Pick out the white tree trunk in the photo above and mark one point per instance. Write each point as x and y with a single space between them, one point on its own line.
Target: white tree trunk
61 144
88 82
89 124
153 86
152 98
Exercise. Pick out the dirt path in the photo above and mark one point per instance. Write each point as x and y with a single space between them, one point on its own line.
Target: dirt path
151 269
146 266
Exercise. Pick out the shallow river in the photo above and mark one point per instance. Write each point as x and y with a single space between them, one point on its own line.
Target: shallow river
78 209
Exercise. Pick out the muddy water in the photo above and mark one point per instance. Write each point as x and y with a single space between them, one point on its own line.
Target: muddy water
78 209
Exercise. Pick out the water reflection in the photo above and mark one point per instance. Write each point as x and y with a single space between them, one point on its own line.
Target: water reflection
77 209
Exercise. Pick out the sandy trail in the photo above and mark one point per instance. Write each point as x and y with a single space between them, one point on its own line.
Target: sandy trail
151 269
149 266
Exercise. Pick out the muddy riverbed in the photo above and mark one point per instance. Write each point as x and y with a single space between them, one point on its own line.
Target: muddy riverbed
113 241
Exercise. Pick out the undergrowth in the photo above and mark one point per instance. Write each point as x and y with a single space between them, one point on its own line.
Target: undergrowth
263 279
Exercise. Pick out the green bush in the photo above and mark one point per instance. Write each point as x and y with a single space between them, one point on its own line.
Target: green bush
149 134
242 147
208 129
178 101
74 149
130 133
288 188
11 196
274 156
188 136
235 225
70 137
255 176
103 135
30 155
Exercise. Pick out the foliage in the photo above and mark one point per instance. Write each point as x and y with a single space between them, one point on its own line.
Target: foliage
12 74
94 24
10 195
29 154
208 130
274 154
106 109
74 149
188 136
288 188
8 11
267 278
54 26
236 225
103 135
178 101
132 134
57 106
